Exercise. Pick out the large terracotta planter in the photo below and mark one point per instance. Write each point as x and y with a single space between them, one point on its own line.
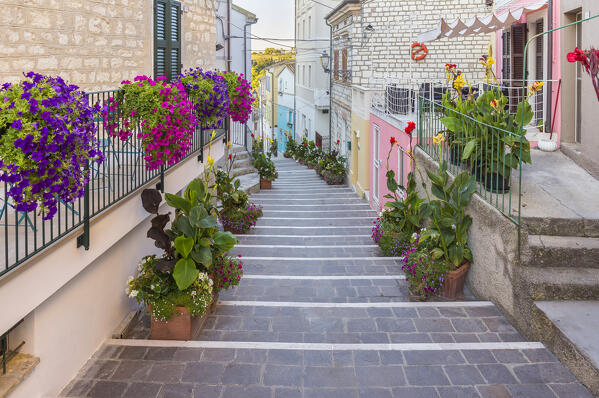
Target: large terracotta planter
182 326
264 184
453 287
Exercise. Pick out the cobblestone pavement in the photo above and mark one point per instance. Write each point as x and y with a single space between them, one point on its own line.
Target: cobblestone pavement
320 314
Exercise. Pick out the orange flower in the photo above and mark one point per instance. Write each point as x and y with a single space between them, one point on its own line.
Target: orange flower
494 104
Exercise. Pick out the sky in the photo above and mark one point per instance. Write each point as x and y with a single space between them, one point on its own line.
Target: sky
275 20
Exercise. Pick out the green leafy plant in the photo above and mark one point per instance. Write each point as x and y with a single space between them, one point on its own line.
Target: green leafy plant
266 167
290 146
159 291
193 241
425 274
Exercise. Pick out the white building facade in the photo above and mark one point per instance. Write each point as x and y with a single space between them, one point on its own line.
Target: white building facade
312 82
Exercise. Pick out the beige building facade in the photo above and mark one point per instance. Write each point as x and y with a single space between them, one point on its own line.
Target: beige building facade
96 45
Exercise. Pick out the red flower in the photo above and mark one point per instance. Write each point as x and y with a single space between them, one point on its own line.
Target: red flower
229 156
338 141
579 56
411 127
252 135
393 141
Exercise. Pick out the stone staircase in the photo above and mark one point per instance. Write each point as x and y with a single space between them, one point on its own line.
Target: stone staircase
558 277
243 169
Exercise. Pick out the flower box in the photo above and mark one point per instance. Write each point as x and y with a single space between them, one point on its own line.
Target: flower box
453 286
265 184
182 326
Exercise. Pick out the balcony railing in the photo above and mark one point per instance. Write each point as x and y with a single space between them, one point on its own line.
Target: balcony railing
24 235
498 174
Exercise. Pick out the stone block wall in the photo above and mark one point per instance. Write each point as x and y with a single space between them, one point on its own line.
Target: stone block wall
386 51
95 43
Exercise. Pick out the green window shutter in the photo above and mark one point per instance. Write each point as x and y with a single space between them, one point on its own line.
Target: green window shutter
167 39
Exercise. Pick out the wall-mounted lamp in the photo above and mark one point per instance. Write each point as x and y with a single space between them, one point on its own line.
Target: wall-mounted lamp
325 61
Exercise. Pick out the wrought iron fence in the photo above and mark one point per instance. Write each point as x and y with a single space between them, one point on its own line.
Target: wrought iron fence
490 154
24 235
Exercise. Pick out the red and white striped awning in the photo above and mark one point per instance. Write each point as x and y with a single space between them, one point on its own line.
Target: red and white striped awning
477 25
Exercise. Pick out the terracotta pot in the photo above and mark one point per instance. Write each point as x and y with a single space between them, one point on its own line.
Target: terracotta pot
453 287
182 326
264 184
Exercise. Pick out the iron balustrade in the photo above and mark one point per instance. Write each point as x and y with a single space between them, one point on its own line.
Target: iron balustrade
122 173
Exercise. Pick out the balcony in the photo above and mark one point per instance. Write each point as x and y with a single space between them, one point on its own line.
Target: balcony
321 99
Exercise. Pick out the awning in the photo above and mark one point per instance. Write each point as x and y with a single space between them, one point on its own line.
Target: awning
477 25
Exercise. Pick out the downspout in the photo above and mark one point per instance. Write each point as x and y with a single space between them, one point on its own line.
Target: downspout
295 72
549 101
245 69
331 66
229 33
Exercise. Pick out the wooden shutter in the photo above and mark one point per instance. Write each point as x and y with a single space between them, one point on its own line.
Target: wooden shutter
344 64
167 39
539 69
336 64
505 55
517 55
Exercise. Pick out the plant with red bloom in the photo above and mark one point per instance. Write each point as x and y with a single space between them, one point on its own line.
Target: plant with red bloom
338 142
393 141
590 62
411 127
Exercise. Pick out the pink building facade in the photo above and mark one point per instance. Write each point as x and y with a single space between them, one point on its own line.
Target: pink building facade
382 128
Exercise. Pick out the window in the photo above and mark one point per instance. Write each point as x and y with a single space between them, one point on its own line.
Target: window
336 65
267 83
505 54
167 39
304 29
304 75
309 27
344 64
309 75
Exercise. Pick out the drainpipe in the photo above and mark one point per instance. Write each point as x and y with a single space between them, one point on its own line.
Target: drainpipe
295 73
229 33
331 66
549 101
245 66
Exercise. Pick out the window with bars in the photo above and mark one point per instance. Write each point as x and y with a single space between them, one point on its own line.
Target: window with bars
344 64
167 39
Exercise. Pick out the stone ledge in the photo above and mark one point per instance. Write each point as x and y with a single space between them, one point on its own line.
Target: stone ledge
17 369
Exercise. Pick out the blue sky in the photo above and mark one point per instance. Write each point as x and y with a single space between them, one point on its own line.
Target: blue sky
275 19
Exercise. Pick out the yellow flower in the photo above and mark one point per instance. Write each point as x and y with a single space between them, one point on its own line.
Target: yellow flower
490 61
409 152
459 82
494 104
536 86
438 139
210 160
213 135
229 145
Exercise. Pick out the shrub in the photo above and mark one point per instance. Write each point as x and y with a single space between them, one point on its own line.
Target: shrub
240 97
265 167
424 274
47 138
210 93
228 272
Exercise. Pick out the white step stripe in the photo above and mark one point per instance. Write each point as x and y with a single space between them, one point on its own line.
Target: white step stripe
327 278
315 211
287 198
322 258
319 206
326 346
349 194
320 218
401 304
241 237
282 226
305 247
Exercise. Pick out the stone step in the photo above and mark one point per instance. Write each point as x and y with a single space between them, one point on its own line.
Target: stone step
319 214
318 240
329 221
242 163
564 283
554 226
353 323
242 155
299 251
262 229
320 268
569 330
241 370
240 171
286 207
250 183
562 251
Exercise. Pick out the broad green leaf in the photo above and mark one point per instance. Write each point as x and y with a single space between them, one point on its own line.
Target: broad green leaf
199 187
182 224
450 122
203 256
470 146
224 241
205 242
185 273
184 245
178 202
437 253
207 222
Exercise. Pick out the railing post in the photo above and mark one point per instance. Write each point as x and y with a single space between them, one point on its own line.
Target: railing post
160 185
201 155
83 240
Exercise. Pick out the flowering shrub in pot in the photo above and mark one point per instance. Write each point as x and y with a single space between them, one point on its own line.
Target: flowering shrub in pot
240 96
47 138
266 169
290 146
162 114
192 243
237 214
228 272
211 96
301 151
257 146
335 171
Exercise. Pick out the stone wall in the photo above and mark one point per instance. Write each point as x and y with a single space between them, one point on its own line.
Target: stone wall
386 51
95 44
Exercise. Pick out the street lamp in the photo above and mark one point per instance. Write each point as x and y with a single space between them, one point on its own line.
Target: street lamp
325 61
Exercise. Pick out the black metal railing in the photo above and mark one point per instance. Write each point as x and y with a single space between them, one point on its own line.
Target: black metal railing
24 235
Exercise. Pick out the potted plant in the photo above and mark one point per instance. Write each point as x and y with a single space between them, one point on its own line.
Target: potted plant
448 227
47 140
159 112
210 94
237 214
240 96
301 151
289 147
273 149
267 171
190 245
335 172
257 146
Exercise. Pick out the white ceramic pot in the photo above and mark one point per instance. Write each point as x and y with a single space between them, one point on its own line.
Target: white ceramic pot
547 146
